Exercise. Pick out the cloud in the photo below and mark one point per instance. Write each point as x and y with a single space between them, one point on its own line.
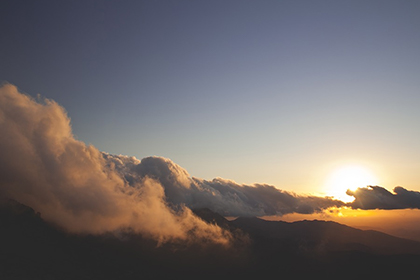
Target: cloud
375 197
84 190
220 195
43 166
232 199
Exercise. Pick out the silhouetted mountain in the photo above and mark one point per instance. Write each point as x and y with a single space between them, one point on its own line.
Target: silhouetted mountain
321 248
34 249
212 217
327 236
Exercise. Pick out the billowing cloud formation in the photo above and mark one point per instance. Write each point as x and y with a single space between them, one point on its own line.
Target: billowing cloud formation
43 166
82 189
223 196
375 197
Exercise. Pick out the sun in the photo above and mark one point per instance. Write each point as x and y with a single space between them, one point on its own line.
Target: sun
346 178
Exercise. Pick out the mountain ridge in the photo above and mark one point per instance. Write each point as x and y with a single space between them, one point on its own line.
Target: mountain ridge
334 235
35 249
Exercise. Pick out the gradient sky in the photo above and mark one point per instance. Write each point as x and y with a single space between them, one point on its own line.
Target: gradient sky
277 92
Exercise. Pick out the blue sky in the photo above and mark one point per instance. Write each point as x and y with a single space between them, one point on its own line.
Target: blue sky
255 91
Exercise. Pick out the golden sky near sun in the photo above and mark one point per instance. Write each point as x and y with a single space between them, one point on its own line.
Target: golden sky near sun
402 222
348 177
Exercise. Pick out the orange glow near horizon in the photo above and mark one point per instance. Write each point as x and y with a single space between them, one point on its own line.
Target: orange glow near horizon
400 222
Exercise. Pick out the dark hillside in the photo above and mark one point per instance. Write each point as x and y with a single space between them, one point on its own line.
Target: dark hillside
34 249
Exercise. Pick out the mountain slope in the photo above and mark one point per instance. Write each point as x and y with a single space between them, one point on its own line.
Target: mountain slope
328 236
34 249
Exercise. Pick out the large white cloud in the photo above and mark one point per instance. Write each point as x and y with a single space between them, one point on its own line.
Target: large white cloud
43 166
82 189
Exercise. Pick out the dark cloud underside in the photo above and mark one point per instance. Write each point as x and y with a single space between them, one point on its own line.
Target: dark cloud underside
375 197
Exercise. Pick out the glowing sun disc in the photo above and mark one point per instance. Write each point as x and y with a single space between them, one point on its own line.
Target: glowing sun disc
348 178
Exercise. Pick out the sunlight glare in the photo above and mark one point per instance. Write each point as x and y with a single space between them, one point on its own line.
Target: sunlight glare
348 178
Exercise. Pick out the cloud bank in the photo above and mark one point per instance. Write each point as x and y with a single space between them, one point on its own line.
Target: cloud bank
220 195
375 197
43 166
82 189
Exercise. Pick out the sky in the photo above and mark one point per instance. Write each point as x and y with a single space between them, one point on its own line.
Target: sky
274 92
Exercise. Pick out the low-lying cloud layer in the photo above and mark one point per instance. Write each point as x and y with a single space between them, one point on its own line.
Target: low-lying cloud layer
82 189
43 166
375 197
220 195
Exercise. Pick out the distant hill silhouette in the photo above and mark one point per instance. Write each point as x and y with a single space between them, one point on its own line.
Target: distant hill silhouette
327 236
34 249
